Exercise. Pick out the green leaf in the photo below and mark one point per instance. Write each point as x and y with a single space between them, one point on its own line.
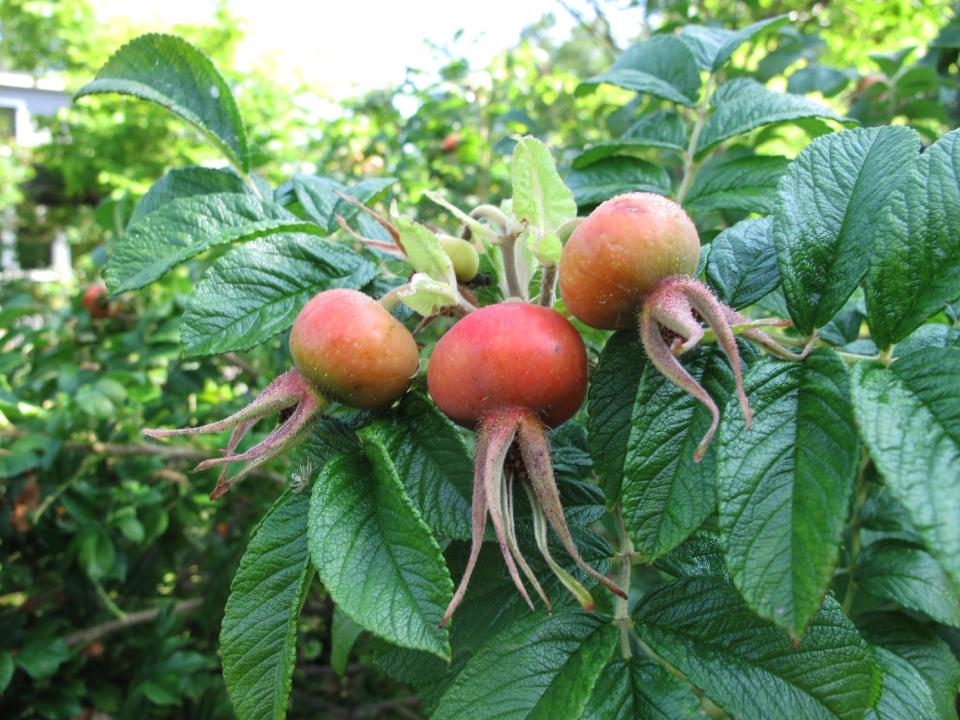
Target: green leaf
746 665
713 46
640 688
171 72
920 673
187 227
744 184
662 66
540 198
40 658
784 485
6 670
424 251
536 668
742 105
911 578
318 196
823 79
259 634
432 459
256 290
742 266
343 634
186 182
663 129
915 269
825 225
612 176
96 553
374 553
643 433
909 419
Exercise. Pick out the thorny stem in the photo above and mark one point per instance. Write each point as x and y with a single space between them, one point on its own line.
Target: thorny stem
622 613
689 155
886 356
548 282
855 541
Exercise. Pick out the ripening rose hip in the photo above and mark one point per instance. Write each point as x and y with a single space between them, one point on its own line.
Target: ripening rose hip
97 301
346 347
632 261
511 371
620 253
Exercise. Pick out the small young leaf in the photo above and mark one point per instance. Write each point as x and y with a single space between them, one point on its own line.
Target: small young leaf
259 634
825 224
188 226
424 251
746 665
374 553
537 668
612 176
909 415
427 296
915 269
742 266
540 198
171 72
745 184
662 66
784 484
911 578
256 290
742 105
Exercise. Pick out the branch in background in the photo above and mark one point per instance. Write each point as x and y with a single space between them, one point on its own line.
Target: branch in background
244 365
599 27
85 637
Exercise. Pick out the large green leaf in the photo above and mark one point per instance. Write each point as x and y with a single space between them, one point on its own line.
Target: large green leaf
748 666
614 175
662 66
374 553
259 634
915 268
742 266
537 668
825 224
713 46
911 578
186 182
187 227
784 484
540 199
909 418
742 105
171 72
318 197
256 290
640 688
663 129
745 184
432 459
920 673
643 434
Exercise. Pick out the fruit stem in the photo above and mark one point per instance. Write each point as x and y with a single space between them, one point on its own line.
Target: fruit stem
508 249
689 155
494 215
622 605
548 283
